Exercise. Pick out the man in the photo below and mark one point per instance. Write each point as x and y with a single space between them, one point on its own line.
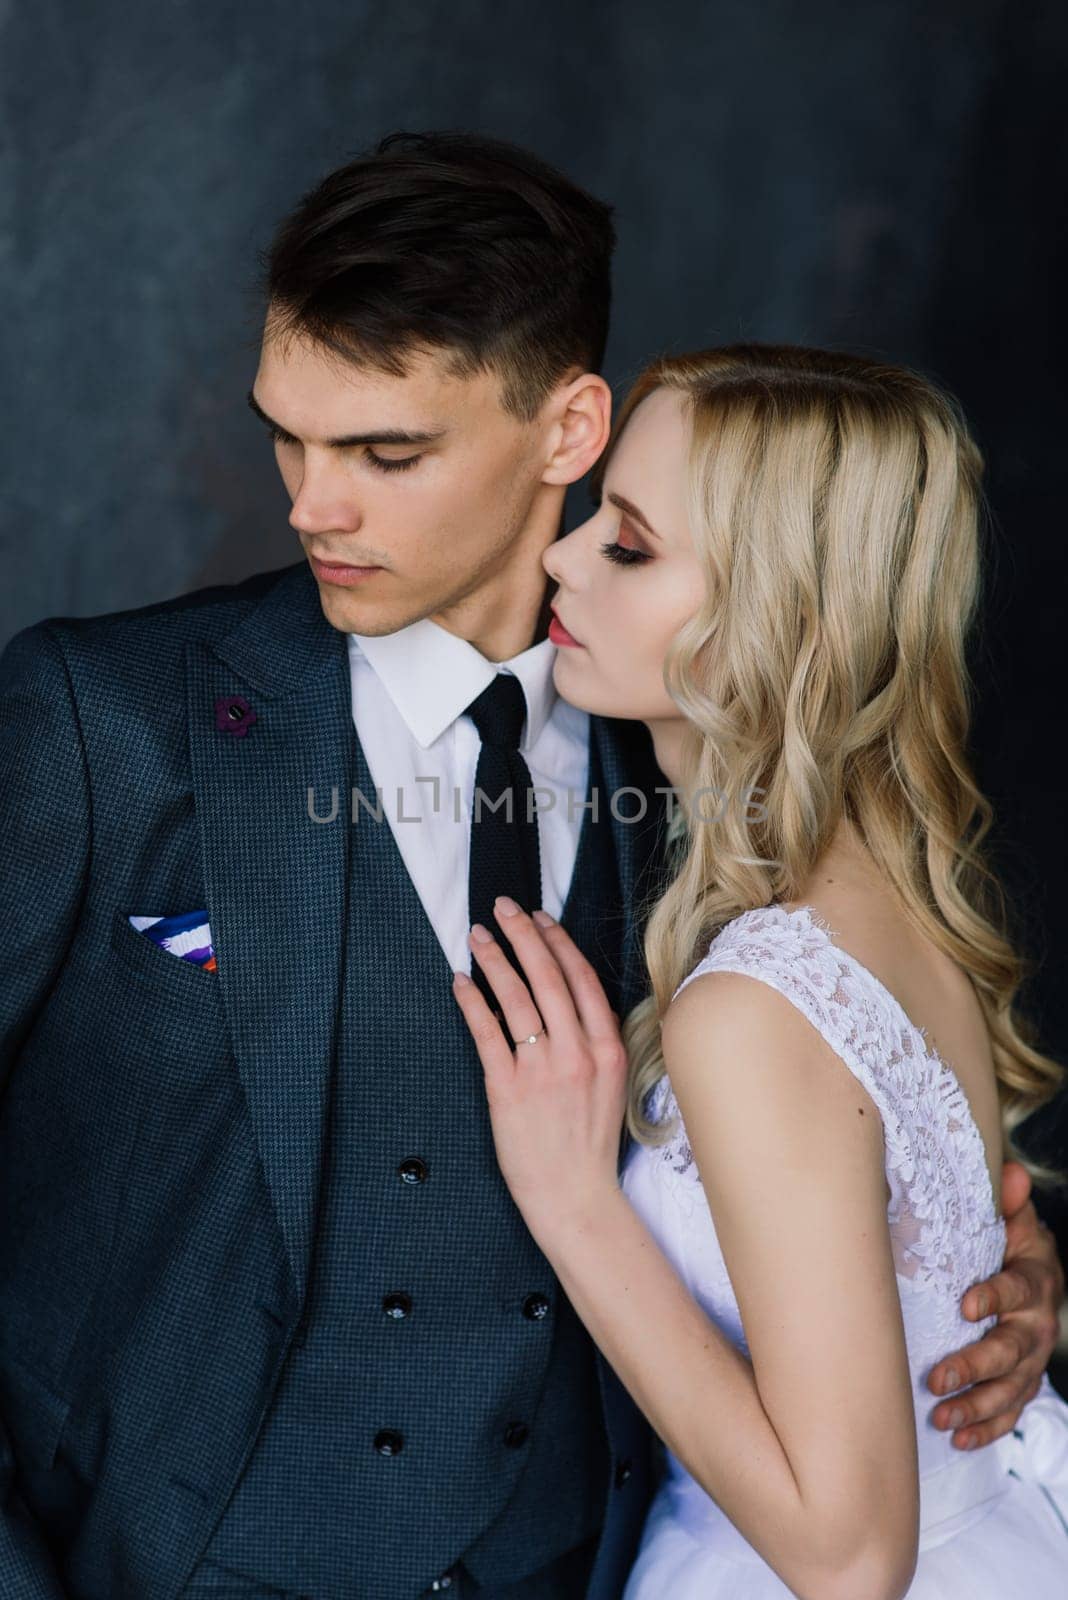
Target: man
271 1324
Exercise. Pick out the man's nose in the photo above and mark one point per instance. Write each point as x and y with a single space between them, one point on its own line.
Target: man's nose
324 499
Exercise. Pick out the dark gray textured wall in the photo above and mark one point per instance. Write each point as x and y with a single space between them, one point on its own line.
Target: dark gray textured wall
780 170
889 176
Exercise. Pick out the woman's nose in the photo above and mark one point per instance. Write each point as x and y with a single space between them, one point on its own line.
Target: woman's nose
550 559
559 559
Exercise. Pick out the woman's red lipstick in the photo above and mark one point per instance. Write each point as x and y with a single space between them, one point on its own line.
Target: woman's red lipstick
559 634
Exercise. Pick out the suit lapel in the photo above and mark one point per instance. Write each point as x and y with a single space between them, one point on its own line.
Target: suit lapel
275 879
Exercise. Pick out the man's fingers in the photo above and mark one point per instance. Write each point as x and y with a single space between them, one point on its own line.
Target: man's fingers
974 1436
985 1432
995 1355
984 1403
1015 1187
1011 1289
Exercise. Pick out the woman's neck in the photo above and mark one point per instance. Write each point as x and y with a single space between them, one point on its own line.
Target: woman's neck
668 734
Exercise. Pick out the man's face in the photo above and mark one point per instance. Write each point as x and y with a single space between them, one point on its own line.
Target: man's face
440 490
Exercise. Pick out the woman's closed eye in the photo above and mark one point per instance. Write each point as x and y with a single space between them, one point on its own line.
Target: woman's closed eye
624 555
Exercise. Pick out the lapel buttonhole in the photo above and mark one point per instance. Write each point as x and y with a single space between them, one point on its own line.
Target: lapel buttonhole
234 715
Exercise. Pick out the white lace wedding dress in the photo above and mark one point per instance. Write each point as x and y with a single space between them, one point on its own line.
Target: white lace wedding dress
994 1521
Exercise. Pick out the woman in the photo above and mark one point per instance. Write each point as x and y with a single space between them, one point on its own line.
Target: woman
779 582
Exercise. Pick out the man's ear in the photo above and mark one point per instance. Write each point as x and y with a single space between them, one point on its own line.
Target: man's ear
580 423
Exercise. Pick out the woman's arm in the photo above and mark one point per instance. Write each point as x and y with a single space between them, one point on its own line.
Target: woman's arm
790 1150
811 1450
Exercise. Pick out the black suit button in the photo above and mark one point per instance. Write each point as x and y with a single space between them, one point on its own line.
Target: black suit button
388 1443
445 1581
535 1307
516 1434
397 1305
623 1471
412 1169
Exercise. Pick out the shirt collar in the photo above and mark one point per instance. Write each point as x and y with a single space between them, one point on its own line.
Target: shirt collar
432 675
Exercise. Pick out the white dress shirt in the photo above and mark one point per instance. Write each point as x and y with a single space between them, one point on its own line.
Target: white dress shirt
409 690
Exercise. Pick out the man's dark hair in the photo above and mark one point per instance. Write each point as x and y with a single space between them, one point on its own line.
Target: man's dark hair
449 241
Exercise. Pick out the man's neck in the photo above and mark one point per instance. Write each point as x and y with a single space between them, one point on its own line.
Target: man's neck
541 626
516 617
508 631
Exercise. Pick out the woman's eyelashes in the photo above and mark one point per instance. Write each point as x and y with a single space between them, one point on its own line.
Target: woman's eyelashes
622 554
382 463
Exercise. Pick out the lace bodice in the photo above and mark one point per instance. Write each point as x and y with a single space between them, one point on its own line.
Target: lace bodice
944 1228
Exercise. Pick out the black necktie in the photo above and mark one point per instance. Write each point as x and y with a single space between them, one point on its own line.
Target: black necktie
505 858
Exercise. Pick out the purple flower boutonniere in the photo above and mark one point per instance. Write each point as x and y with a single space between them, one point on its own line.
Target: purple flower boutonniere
233 714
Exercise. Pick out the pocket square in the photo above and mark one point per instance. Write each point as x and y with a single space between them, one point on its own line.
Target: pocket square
186 935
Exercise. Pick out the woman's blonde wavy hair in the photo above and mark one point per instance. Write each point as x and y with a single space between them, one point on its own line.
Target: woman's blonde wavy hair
834 504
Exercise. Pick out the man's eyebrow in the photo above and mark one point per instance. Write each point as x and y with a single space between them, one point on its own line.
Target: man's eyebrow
632 511
381 436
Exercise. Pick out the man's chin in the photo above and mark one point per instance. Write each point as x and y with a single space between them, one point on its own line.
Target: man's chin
351 613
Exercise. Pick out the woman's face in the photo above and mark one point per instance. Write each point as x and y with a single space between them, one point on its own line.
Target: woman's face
624 604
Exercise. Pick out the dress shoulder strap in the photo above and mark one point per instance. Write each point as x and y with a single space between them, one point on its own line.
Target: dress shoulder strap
935 1160
792 952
